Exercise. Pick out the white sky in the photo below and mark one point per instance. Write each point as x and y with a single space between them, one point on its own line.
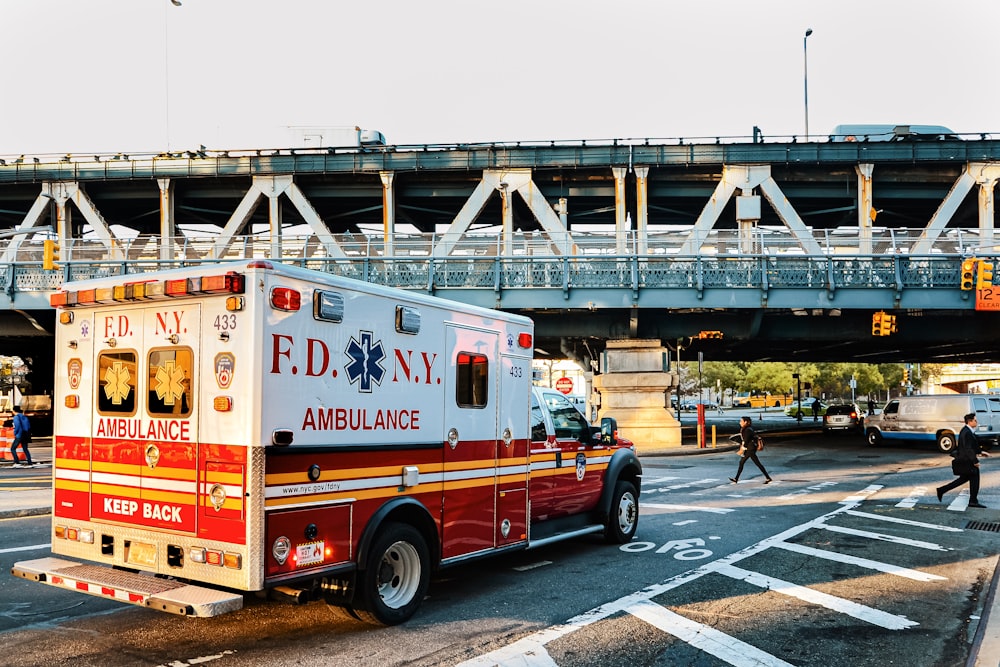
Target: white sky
85 76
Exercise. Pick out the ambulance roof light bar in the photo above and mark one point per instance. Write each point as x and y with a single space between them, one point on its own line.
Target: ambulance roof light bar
226 283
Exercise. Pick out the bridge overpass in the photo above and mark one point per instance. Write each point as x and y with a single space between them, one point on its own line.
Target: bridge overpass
786 247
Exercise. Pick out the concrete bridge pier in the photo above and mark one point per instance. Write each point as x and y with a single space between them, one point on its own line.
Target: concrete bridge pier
635 386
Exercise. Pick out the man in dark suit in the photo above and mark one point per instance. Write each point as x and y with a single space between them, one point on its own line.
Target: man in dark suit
966 463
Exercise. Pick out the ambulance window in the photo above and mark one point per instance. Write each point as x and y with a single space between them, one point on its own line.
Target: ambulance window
472 381
170 382
538 433
116 380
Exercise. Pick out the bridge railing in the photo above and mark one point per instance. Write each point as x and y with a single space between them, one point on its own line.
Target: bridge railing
765 241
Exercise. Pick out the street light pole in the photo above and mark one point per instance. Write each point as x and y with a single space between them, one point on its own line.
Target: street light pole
805 75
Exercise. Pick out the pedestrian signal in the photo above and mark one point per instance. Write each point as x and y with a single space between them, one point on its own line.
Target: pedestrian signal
984 274
50 255
968 274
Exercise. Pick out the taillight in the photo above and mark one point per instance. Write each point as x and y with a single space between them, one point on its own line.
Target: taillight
285 298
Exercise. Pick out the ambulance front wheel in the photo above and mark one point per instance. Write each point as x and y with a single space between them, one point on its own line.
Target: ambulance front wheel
623 519
395 578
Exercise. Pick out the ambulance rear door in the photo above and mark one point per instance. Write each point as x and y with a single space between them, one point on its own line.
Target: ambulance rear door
144 456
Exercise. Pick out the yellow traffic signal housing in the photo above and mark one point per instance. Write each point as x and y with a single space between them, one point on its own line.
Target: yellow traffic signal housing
877 323
906 375
968 274
888 324
50 255
984 274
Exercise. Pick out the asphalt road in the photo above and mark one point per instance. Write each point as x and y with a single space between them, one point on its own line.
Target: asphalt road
846 559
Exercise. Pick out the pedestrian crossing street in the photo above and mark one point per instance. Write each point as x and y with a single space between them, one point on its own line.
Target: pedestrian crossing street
846 522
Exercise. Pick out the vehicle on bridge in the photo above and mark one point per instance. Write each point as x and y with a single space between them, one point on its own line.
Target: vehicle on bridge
936 418
252 427
876 132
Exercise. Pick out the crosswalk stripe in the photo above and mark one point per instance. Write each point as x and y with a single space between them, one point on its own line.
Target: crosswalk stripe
866 563
907 522
911 500
705 638
961 503
686 508
858 611
885 538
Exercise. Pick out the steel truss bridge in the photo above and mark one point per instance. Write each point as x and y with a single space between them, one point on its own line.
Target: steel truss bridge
787 248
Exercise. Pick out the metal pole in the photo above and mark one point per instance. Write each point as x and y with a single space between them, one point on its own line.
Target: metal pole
805 76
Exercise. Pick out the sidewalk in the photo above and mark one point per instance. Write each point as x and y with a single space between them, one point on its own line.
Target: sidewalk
27 491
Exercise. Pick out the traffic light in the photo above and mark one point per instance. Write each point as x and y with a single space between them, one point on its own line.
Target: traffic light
984 274
888 324
968 274
906 376
710 334
50 255
877 323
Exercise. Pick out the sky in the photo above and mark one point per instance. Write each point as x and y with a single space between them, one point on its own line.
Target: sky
108 76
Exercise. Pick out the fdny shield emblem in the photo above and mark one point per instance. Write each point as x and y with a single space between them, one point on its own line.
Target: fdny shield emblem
225 364
74 369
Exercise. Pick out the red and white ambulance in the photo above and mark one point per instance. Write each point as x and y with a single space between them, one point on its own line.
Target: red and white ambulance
250 427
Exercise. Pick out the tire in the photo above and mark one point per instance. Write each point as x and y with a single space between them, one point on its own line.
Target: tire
395 576
623 517
946 441
873 437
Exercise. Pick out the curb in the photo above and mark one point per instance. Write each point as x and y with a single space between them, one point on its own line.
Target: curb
985 651
27 511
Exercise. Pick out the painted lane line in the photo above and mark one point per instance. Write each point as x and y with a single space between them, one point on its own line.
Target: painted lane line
886 538
30 547
961 503
685 522
686 508
658 480
687 485
840 605
703 637
513 654
905 522
878 566
911 500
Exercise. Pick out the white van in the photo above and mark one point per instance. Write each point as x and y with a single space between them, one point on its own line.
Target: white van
935 418
874 132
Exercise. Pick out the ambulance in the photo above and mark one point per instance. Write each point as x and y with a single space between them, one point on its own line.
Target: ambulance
254 427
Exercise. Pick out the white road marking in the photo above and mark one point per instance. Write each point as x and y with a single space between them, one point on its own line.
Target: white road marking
684 523
30 547
686 508
685 485
886 538
916 575
705 638
832 602
532 644
658 480
961 503
915 495
907 522
532 566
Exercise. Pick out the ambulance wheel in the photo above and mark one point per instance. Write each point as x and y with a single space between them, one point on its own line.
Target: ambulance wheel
623 519
395 578
874 437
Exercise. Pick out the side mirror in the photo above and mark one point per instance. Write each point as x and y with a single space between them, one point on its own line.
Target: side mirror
609 431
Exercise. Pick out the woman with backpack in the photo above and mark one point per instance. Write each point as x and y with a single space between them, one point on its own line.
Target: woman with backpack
749 450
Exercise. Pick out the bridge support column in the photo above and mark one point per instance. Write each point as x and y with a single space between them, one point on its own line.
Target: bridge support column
642 209
388 213
621 218
635 385
866 212
167 227
987 183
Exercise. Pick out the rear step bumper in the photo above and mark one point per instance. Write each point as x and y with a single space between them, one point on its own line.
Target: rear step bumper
140 589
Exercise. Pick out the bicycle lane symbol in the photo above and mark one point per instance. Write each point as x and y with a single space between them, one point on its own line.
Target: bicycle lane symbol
683 549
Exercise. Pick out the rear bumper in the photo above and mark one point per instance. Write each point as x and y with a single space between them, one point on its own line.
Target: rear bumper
143 590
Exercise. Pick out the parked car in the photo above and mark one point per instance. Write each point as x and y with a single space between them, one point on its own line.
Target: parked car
806 410
843 417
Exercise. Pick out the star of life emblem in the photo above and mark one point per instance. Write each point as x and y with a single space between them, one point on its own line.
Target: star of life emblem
365 365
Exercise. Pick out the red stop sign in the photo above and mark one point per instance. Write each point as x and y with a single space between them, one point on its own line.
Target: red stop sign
565 385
